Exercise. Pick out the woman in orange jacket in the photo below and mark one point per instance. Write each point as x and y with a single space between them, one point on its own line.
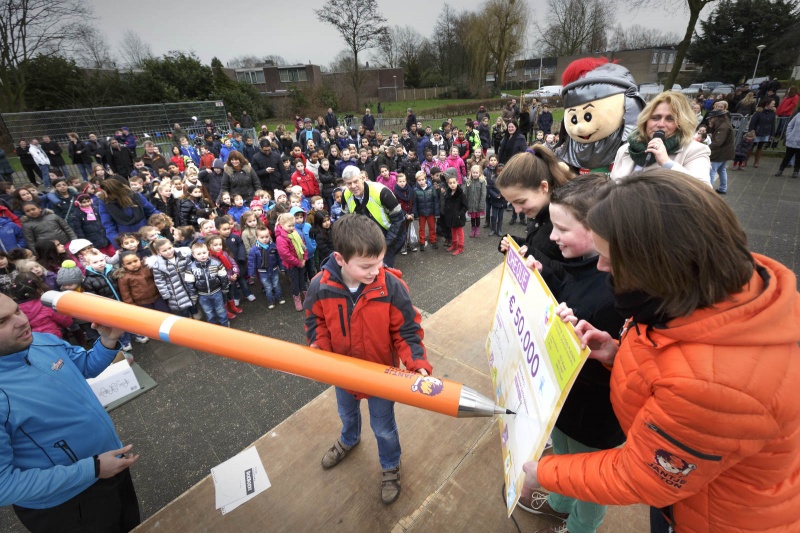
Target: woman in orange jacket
705 378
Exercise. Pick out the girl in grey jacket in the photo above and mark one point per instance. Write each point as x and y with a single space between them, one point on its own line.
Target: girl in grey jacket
168 265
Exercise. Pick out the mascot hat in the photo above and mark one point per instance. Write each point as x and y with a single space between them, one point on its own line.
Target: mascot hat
594 78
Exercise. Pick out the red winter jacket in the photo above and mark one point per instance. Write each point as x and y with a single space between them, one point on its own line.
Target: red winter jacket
6 213
380 325
308 182
43 319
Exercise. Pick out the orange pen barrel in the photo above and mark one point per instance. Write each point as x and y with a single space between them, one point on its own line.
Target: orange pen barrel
426 392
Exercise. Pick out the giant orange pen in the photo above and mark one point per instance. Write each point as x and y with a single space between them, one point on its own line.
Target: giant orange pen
426 392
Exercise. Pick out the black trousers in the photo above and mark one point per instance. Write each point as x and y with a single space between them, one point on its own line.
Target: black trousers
110 505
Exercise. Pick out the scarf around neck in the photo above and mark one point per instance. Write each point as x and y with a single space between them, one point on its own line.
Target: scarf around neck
299 246
223 258
636 148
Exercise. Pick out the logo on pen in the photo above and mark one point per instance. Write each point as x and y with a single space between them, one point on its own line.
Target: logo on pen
427 385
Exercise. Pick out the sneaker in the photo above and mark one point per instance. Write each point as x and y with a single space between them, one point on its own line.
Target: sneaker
435 245
141 339
554 529
271 306
795 174
537 504
390 485
492 232
281 301
251 281
336 453
404 251
512 222
236 302
720 191
127 347
251 298
414 248
423 246
779 173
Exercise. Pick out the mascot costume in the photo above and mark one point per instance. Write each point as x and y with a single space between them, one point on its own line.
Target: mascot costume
601 105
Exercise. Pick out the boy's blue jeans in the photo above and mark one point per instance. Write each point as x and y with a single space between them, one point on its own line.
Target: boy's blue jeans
271 283
213 305
381 420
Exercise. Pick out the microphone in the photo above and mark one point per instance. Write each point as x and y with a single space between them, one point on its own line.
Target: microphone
651 158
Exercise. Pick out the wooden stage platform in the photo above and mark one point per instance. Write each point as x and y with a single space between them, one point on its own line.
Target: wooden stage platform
452 469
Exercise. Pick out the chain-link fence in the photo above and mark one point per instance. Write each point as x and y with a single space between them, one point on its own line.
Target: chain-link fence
154 122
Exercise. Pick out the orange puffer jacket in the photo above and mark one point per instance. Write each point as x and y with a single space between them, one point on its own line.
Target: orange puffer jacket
711 409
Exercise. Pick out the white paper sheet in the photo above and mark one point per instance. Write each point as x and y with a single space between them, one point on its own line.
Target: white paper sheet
239 479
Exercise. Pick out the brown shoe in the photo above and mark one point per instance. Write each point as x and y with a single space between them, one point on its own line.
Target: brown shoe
335 455
537 504
390 485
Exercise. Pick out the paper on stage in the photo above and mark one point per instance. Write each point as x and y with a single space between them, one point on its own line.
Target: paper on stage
239 479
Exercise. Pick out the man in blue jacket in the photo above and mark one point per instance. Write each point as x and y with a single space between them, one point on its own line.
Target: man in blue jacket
62 465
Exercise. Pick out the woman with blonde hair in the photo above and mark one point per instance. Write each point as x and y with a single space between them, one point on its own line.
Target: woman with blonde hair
671 114
747 105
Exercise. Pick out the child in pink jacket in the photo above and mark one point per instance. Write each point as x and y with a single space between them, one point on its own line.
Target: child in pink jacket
293 253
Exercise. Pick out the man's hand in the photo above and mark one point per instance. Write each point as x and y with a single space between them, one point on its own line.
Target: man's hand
423 372
111 465
109 336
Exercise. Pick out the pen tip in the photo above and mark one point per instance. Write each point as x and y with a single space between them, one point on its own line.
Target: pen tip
510 412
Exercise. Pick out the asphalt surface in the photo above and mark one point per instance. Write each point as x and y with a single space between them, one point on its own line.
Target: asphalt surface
207 408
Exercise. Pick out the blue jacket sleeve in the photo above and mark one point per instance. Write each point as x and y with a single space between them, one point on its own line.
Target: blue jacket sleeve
24 485
251 261
108 222
91 362
149 210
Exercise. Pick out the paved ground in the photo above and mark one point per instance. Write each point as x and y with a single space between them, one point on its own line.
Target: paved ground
207 408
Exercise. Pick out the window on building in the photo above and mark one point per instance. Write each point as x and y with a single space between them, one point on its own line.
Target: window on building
251 76
663 57
655 58
672 57
289 75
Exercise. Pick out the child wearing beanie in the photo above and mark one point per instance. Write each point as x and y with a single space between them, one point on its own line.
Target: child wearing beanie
70 278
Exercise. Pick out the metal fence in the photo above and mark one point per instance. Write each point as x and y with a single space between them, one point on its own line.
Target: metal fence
154 121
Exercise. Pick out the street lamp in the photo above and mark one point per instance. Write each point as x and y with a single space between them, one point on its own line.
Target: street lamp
760 48
395 88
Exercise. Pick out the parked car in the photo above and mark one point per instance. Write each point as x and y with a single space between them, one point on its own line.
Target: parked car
652 89
692 89
709 86
547 91
724 89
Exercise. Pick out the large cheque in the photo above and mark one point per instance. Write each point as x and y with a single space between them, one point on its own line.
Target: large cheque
534 359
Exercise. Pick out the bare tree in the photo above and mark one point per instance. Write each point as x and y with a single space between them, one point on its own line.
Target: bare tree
504 23
92 49
694 7
134 50
387 55
251 61
576 27
637 36
361 26
29 28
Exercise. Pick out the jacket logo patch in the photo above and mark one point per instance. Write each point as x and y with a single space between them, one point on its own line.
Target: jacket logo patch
671 469
57 365
427 385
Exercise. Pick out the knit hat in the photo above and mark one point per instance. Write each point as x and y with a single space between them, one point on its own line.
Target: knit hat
256 203
69 274
79 244
218 163
295 210
278 193
451 172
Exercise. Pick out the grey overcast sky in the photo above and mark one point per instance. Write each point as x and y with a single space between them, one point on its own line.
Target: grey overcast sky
260 27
